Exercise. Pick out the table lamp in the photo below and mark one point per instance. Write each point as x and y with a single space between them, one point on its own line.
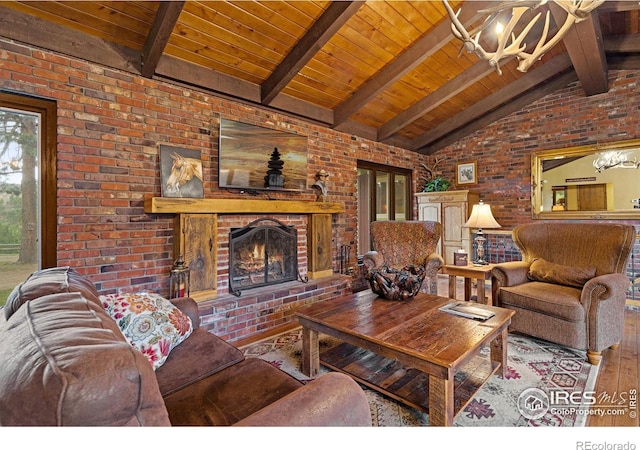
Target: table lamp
481 217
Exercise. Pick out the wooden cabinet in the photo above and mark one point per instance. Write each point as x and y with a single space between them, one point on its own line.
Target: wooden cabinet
195 238
319 246
451 209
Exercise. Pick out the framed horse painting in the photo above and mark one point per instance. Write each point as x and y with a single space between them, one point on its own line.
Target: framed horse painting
180 172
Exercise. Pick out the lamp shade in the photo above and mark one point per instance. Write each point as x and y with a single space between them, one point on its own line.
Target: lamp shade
481 217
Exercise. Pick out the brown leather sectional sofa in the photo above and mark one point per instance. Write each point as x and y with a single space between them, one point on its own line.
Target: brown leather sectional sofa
64 362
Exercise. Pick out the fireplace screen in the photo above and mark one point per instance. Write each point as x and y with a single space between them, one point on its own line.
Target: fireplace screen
261 255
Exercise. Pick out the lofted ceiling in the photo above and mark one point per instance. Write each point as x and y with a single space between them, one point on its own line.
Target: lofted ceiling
390 71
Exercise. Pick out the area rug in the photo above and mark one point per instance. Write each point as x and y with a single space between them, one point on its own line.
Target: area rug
534 367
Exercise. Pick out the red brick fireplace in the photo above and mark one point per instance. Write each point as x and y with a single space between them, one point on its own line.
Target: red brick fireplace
201 234
262 253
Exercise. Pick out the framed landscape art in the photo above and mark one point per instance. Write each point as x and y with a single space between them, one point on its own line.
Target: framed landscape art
254 157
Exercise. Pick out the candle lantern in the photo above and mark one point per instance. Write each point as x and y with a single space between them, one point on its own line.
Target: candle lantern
179 279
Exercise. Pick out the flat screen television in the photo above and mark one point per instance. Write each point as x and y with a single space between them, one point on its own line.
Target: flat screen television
255 157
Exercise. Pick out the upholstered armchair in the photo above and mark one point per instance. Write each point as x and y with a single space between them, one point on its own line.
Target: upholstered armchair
570 287
409 242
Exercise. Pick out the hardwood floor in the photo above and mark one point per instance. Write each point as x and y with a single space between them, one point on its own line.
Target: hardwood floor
620 374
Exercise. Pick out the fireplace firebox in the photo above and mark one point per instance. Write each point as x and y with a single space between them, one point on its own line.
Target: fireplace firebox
261 254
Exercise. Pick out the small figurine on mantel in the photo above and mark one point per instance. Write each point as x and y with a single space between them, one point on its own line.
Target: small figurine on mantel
321 185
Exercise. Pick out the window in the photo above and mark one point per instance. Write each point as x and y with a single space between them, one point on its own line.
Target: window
384 193
27 188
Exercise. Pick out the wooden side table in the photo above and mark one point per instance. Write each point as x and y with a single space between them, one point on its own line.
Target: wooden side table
469 272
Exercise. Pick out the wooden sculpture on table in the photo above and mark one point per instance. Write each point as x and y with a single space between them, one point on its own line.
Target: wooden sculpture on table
394 284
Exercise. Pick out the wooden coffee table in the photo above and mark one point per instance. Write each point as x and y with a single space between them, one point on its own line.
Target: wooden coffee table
408 350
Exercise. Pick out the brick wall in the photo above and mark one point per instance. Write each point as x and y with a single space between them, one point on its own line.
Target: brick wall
110 124
565 118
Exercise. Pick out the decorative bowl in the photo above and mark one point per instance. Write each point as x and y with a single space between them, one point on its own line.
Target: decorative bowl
396 284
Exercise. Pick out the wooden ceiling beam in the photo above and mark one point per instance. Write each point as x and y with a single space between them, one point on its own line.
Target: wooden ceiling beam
179 70
513 106
628 43
44 34
331 20
584 44
187 74
163 25
408 60
41 33
624 62
541 75
458 84
453 87
619 6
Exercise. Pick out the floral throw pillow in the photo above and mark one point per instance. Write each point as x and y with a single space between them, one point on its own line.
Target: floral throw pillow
151 323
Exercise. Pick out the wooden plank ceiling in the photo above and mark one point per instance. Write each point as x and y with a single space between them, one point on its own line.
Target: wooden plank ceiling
385 70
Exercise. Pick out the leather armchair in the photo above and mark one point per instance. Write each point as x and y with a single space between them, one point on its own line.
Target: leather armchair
570 287
401 243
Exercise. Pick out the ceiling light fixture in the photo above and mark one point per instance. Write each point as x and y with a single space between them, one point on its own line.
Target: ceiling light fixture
508 44
615 159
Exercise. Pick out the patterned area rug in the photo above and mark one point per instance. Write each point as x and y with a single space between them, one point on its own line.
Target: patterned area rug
532 363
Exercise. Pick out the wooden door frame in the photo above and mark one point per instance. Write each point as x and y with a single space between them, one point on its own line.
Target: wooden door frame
47 168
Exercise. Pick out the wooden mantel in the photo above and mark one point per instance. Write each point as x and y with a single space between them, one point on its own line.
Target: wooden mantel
166 205
196 233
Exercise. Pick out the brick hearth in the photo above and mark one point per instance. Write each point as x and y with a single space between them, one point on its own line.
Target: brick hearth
261 309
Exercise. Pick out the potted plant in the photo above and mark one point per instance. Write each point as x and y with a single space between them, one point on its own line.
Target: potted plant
434 183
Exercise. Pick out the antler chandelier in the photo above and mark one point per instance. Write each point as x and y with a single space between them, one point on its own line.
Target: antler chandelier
615 159
508 44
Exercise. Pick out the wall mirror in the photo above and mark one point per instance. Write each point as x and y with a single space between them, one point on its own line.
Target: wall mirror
599 181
